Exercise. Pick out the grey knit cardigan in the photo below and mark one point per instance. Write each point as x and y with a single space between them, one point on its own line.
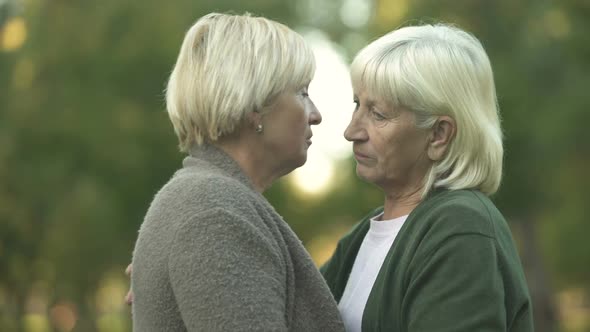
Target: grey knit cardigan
213 255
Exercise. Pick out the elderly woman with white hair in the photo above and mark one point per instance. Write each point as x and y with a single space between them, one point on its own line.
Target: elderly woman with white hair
438 256
212 254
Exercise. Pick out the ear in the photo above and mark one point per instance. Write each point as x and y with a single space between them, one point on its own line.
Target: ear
442 135
254 118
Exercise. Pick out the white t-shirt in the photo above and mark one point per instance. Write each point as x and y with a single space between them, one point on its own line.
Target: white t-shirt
366 266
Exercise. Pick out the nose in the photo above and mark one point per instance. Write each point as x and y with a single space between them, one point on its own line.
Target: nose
315 117
355 132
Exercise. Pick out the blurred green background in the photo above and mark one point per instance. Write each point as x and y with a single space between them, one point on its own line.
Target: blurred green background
85 143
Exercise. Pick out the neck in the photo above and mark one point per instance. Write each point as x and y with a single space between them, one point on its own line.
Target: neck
250 161
401 203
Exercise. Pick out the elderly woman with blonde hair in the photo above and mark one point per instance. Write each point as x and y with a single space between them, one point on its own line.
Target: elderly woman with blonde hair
438 256
212 254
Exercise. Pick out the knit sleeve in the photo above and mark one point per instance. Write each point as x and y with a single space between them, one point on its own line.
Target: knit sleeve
227 275
457 288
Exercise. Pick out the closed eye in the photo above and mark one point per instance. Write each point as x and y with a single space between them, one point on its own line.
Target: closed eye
304 93
377 116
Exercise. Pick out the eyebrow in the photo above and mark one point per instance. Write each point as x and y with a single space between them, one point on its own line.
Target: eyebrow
369 101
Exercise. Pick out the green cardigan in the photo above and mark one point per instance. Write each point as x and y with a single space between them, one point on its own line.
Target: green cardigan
453 267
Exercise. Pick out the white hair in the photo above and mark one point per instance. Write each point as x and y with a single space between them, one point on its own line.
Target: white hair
228 66
435 70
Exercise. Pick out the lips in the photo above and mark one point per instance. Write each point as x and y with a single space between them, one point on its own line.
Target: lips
359 155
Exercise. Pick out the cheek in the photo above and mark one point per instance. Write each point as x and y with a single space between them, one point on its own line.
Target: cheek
300 123
390 159
393 153
295 130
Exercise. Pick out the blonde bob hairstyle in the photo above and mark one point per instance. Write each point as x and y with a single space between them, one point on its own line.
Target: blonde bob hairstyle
434 70
228 66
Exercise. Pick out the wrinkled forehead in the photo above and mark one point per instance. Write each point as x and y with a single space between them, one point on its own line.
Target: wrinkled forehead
373 81
371 94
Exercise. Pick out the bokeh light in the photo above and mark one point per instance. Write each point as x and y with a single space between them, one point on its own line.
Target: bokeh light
331 92
63 316
13 34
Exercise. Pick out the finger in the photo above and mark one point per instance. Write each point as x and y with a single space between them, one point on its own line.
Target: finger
129 298
129 269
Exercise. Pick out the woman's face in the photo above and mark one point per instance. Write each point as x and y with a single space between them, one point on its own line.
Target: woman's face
390 151
287 129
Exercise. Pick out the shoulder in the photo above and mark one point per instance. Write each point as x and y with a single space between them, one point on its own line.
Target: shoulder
207 189
452 226
456 212
213 202
191 192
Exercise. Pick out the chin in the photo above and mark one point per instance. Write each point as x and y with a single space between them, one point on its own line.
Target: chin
303 160
364 175
360 174
296 163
